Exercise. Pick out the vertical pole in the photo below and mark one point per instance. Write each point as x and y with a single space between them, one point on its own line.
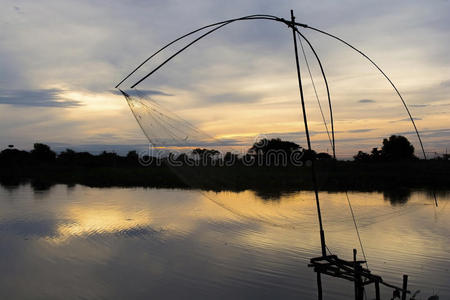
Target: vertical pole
359 288
360 282
377 290
319 286
405 286
355 275
305 121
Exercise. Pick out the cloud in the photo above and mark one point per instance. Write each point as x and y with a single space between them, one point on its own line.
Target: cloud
407 120
445 83
18 10
38 98
431 133
366 101
233 98
361 130
430 94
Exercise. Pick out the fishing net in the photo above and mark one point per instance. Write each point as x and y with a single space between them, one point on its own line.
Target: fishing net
212 163
213 167
165 129
224 173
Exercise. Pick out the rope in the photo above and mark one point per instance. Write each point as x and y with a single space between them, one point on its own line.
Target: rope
251 17
222 24
315 92
331 253
326 87
390 81
356 228
384 74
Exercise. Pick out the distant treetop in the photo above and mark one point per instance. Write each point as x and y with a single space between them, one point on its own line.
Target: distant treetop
395 148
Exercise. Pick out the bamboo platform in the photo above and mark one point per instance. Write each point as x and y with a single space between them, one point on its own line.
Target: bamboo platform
332 265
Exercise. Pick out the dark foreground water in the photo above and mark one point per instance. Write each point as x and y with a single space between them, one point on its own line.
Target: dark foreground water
90 243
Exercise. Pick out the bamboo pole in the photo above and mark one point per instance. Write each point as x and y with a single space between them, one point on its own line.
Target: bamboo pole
308 140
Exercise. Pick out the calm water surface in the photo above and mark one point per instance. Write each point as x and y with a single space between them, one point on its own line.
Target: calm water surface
112 243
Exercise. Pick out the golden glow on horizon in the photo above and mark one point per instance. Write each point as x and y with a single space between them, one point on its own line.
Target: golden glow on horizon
105 117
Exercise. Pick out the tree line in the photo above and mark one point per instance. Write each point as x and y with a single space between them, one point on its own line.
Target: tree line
394 148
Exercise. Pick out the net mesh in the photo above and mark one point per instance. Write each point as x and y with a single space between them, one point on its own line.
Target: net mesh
164 128
171 134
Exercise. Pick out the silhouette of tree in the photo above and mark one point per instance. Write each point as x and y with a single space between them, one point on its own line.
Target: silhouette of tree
42 153
205 156
229 157
263 146
85 159
397 147
132 156
324 156
278 151
184 159
361 156
309 154
205 152
375 154
9 157
108 158
67 157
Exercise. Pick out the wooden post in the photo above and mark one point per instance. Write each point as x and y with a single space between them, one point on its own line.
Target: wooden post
359 289
319 286
356 277
360 282
405 286
377 290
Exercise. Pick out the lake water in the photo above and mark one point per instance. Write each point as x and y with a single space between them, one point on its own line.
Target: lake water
76 242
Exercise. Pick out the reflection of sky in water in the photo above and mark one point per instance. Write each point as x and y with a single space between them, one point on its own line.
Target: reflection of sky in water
80 242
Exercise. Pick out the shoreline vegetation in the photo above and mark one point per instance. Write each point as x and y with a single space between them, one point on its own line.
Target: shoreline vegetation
393 167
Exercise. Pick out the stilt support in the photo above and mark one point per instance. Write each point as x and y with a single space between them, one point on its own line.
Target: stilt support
319 286
405 286
377 290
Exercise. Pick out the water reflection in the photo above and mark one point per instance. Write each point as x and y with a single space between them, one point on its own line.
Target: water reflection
9 182
41 185
397 196
98 219
30 228
273 194
440 194
114 243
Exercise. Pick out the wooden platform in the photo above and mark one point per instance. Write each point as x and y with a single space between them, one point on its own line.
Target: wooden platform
353 271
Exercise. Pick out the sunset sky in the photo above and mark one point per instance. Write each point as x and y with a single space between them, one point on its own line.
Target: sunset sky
60 61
